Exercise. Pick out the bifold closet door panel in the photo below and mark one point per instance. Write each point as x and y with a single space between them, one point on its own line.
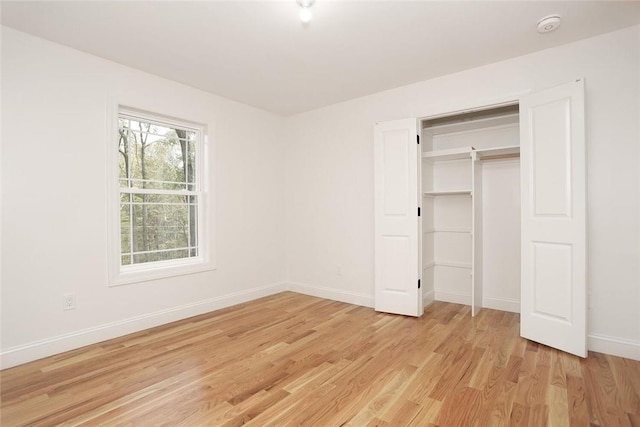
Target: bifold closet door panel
553 185
396 221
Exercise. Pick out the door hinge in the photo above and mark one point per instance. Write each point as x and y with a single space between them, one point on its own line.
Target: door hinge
418 283
418 137
418 210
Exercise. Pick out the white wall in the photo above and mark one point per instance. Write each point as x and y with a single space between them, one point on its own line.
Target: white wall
501 234
329 175
54 106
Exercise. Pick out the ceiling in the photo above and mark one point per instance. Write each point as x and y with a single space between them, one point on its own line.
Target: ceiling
259 53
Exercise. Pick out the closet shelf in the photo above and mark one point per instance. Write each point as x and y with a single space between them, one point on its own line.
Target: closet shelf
465 153
447 193
499 152
447 230
501 120
446 264
450 154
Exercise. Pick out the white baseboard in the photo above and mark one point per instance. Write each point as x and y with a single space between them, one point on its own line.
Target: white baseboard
615 346
452 297
59 344
487 302
501 304
331 293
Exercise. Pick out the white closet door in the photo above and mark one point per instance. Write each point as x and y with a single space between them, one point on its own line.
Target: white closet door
552 159
397 199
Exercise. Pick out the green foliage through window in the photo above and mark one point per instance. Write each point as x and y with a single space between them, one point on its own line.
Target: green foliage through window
158 191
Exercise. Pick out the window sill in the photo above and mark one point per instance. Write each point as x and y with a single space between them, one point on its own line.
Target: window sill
144 273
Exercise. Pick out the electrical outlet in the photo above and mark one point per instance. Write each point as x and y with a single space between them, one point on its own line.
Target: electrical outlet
69 301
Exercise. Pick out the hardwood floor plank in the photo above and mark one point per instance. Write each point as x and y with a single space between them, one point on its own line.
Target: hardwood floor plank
558 406
380 403
626 395
455 367
405 414
519 415
461 408
632 369
498 394
577 402
428 414
292 359
602 392
376 422
424 379
558 375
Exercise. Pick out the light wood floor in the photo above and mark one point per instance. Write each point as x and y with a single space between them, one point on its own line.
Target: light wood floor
292 359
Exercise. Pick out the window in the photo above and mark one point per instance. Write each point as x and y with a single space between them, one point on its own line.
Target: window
161 217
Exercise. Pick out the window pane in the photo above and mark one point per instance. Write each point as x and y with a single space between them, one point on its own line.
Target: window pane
160 227
161 222
159 157
191 165
123 157
125 225
193 224
137 198
160 256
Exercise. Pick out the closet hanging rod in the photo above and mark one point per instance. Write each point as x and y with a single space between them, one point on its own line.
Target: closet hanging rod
501 156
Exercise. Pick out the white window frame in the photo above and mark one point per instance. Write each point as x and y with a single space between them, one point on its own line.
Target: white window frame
125 274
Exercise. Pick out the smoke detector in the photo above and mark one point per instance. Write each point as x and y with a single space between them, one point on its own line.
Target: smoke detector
548 24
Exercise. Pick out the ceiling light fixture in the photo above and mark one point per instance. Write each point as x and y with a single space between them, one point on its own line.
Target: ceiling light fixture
548 24
305 10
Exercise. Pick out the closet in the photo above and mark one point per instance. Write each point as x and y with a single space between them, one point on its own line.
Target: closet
458 222
487 207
